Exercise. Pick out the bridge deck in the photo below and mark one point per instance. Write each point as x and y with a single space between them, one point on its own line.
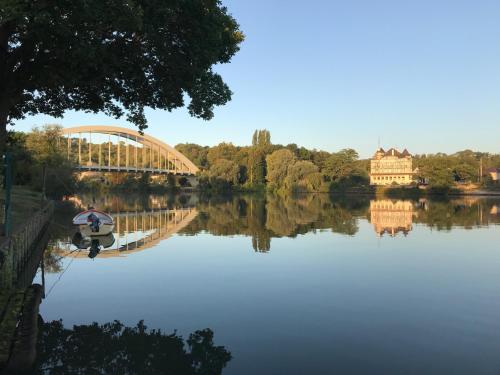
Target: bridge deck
101 168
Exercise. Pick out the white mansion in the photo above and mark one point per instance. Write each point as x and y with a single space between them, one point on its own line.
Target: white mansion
391 167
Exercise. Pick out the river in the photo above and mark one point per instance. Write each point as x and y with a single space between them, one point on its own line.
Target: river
287 285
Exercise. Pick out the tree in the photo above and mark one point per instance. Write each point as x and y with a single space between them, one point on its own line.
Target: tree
261 138
44 146
113 56
314 181
298 172
196 153
264 138
277 166
440 177
22 158
340 164
256 168
225 170
221 151
465 172
319 158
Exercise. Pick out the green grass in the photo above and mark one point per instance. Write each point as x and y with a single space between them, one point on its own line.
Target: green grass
24 203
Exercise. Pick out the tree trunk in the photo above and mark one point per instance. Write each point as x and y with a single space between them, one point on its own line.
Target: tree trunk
3 132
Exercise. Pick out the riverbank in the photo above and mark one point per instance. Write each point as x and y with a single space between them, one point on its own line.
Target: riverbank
413 192
19 328
20 256
24 202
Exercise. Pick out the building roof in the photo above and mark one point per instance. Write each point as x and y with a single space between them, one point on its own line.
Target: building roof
393 152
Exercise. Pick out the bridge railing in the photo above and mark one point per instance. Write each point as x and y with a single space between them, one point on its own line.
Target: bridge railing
131 151
16 250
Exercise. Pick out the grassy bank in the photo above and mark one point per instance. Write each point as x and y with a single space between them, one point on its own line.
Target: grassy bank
24 201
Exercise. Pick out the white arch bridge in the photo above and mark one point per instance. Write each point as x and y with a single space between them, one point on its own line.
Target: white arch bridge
116 149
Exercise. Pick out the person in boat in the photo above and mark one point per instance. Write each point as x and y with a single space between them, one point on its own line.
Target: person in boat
95 248
94 222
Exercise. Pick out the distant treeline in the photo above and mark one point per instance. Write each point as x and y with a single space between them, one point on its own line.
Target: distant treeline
226 167
275 167
294 168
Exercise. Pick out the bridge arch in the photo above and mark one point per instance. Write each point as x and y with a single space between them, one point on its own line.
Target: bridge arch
162 158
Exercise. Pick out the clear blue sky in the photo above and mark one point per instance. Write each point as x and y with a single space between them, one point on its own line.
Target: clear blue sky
333 74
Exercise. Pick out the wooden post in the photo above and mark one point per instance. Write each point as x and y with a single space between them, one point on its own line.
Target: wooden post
126 153
109 152
44 172
118 153
90 148
7 224
79 149
135 151
69 144
143 156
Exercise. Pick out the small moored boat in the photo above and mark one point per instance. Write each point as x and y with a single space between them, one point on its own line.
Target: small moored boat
94 223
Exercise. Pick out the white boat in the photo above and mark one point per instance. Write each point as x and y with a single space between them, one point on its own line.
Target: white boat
88 226
83 243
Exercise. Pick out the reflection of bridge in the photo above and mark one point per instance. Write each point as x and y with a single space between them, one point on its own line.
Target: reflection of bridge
138 230
132 152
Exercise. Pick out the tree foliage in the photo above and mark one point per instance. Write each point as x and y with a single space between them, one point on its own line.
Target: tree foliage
38 151
277 166
297 174
221 151
261 138
225 170
196 153
340 164
113 56
113 348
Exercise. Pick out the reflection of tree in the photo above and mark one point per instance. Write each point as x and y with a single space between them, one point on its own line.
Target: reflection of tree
265 217
51 259
445 214
60 226
112 348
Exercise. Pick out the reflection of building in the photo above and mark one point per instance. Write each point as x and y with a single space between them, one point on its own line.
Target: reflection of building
391 167
494 173
391 217
495 210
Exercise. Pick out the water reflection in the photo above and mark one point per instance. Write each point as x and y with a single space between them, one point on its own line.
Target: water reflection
142 221
391 217
135 230
273 216
113 348
317 290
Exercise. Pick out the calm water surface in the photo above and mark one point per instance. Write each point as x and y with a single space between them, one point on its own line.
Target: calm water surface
306 285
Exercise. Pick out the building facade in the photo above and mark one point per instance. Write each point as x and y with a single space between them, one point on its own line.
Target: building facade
494 173
391 167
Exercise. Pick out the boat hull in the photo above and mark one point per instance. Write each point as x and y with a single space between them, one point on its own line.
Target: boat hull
104 229
82 217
